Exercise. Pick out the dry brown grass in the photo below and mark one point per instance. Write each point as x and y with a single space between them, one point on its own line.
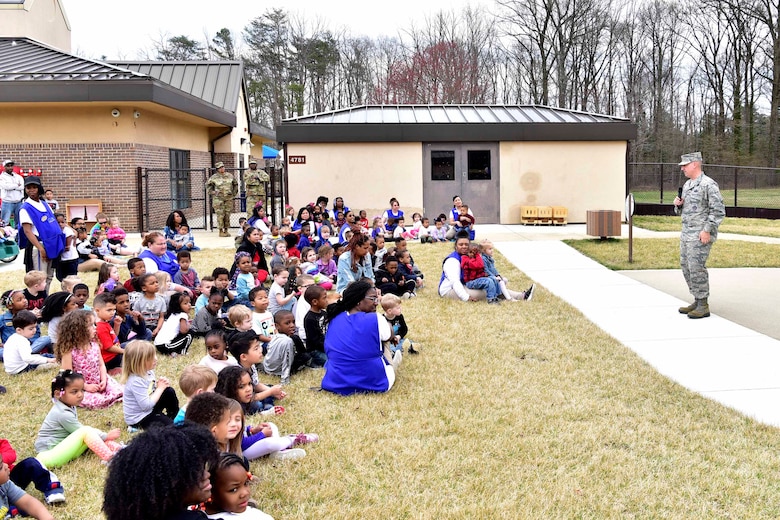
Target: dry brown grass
511 411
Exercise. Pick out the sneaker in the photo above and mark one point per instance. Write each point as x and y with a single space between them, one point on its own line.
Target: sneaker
55 497
494 301
529 293
2 389
132 429
413 350
406 295
304 438
288 454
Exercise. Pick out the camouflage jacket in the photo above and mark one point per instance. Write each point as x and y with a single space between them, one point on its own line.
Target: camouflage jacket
222 185
255 181
703 209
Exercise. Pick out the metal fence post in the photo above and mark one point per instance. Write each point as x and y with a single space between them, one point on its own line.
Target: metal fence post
662 185
735 187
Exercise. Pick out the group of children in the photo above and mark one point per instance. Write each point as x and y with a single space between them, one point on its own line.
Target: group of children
246 326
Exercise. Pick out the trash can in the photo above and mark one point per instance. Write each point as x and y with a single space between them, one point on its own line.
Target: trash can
603 223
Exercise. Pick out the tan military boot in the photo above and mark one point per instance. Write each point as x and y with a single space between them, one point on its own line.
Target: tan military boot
223 233
687 309
702 310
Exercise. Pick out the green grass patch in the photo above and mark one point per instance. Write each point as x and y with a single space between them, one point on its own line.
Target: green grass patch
520 410
741 226
664 253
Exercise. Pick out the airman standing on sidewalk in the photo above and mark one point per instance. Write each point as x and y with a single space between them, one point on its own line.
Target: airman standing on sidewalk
255 185
223 188
702 209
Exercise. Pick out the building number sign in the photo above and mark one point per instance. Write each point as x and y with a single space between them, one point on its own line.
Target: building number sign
297 159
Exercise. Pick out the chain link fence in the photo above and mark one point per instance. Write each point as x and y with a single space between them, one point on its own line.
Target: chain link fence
741 186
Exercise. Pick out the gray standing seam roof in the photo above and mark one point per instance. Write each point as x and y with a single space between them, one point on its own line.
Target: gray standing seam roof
218 83
454 123
453 114
22 59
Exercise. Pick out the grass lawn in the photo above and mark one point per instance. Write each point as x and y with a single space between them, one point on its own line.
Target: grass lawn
664 253
519 410
742 226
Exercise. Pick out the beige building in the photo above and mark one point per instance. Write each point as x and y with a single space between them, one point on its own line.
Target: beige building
495 157
140 137
42 20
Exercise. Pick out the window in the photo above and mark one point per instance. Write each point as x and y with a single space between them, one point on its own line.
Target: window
443 165
479 165
180 179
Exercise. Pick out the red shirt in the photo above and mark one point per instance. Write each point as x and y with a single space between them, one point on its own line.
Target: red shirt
472 268
107 338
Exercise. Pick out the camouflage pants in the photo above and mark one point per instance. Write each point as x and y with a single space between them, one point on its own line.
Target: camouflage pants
251 200
693 259
223 208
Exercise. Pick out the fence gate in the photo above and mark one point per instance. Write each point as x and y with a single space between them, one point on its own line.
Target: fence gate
162 190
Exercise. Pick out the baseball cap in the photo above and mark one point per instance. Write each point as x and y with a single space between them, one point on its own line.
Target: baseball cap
8 162
690 157
32 179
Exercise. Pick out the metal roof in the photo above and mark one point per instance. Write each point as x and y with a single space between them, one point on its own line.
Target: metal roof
23 59
453 114
216 82
454 123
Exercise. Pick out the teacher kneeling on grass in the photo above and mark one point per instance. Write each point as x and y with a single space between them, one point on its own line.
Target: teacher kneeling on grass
353 344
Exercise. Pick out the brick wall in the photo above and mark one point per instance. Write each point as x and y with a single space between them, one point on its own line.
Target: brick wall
105 171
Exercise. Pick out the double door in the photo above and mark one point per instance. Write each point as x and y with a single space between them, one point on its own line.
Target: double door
469 170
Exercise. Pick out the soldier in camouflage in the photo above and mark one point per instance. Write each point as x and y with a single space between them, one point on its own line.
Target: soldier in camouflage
223 188
255 181
702 209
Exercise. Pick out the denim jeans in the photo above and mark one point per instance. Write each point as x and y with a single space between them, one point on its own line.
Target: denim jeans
488 284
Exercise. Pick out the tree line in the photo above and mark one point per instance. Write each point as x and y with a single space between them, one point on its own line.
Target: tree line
701 75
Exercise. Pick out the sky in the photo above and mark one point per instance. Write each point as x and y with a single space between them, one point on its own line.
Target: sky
118 29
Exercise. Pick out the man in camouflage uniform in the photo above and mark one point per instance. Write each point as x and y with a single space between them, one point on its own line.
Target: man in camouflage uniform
255 185
223 188
702 209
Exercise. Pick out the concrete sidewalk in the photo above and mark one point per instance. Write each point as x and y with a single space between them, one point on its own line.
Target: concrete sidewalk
716 357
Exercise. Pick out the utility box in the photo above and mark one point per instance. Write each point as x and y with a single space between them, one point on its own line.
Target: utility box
603 223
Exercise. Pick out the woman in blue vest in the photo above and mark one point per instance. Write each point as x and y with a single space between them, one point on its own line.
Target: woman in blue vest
156 256
42 237
451 283
353 344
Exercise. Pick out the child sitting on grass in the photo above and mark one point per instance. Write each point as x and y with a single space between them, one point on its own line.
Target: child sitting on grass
174 337
314 324
391 304
110 347
35 290
217 356
149 400
212 411
474 276
128 324
283 358
30 470
77 350
209 317
245 347
186 276
62 437
486 248
204 291
151 305
184 239
17 356
194 380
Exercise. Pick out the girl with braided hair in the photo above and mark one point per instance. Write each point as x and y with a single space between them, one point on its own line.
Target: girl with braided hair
355 262
353 344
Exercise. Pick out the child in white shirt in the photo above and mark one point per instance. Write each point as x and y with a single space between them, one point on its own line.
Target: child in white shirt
17 356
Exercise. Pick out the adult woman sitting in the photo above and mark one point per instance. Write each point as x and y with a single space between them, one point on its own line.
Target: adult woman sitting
353 344
451 283
252 244
390 216
172 223
454 213
355 262
258 220
156 257
338 205
304 219
350 221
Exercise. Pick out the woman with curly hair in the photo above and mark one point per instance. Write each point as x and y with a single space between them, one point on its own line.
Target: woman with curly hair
175 219
161 474
355 262
76 350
